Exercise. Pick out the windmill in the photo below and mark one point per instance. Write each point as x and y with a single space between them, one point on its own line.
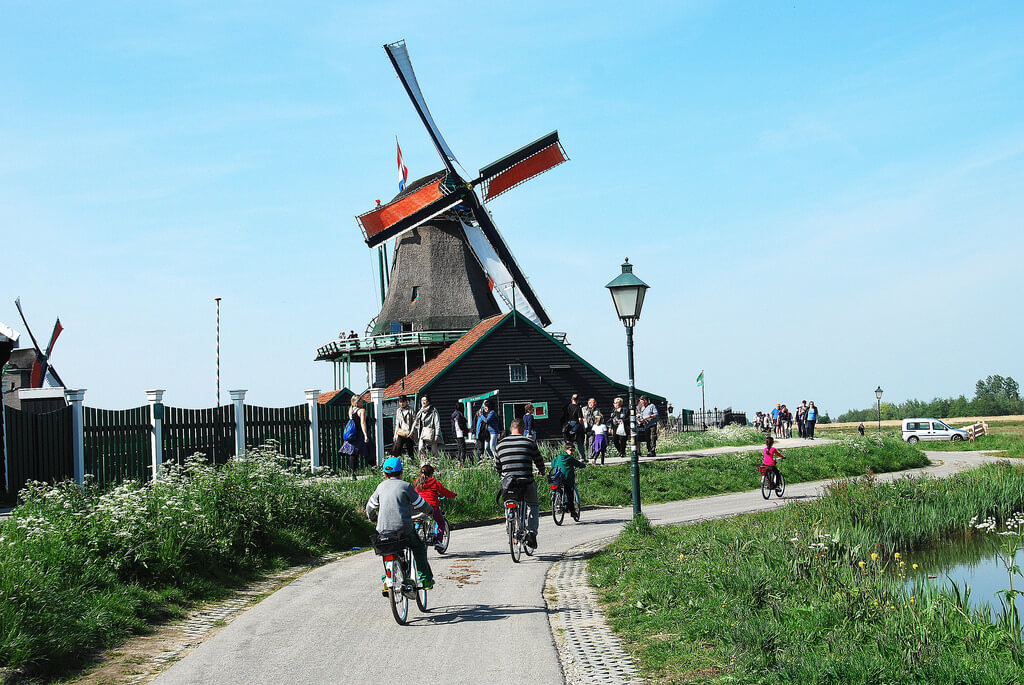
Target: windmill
451 203
41 367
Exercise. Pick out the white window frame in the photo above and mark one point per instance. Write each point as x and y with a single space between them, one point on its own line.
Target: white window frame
526 373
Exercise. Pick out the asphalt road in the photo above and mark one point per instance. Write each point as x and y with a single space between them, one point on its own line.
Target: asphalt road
487 623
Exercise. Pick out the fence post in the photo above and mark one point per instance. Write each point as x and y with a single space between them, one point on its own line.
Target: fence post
377 397
75 397
238 397
314 429
156 422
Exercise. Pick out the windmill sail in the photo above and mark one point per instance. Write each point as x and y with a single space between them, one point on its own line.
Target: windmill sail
504 283
520 166
399 56
407 212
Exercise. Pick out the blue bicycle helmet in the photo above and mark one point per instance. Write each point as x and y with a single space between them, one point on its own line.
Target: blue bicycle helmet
392 465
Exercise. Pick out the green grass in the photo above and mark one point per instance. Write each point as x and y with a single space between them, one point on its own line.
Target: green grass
1011 443
80 569
674 441
666 481
782 596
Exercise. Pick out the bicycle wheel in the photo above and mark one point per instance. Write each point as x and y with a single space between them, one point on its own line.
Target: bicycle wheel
445 539
399 602
421 592
576 505
522 531
557 506
780 485
513 541
766 486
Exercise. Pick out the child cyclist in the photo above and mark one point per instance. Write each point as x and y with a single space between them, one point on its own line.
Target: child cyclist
431 490
565 465
770 455
391 505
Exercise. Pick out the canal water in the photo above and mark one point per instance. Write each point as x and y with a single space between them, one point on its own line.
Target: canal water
976 562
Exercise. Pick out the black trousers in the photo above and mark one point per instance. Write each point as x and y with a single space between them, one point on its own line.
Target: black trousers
620 443
809 430
461 453
400 445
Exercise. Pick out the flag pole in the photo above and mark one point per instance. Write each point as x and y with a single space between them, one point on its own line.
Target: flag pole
217 299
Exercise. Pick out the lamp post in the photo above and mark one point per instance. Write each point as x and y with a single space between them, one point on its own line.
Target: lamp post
878 398
628 297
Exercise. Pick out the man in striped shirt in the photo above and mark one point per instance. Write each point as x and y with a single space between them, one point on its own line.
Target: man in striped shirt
516 457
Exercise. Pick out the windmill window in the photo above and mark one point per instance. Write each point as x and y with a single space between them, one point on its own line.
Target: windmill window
415 293
517 373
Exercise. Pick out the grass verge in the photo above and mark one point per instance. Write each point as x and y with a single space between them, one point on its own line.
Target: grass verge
675 441
80 569
813 592
1011 443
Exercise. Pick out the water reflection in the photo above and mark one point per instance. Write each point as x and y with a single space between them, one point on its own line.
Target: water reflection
973 561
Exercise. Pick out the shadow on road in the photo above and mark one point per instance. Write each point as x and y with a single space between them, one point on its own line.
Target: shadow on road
464 613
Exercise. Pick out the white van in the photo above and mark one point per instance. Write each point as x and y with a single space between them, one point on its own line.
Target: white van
930 430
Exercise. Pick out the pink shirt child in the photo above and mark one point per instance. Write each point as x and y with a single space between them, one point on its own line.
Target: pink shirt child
769 456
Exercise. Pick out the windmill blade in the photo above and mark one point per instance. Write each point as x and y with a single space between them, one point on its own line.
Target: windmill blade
408 211
490 231
57 329
496 271
520 166
399 56
17 303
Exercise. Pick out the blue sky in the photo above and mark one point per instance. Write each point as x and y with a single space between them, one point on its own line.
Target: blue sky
824 197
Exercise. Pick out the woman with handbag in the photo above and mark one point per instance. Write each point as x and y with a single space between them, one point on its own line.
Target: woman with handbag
427 427
618 426
403 429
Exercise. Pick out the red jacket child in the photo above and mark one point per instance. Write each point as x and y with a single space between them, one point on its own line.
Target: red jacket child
431 489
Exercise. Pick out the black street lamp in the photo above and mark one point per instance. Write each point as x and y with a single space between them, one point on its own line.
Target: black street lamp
628 296
878 398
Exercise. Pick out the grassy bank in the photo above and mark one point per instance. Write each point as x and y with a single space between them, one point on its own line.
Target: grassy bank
1011 443
80 569
667 481
812 592
673 441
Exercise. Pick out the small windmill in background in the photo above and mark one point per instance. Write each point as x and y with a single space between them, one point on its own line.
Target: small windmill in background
43 372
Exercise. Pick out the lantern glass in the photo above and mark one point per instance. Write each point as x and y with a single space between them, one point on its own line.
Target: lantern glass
628 293
878 393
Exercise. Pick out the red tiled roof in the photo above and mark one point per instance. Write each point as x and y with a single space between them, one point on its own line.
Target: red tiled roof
424 375
325 397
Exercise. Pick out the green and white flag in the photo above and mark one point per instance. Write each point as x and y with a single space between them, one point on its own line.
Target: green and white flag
700 379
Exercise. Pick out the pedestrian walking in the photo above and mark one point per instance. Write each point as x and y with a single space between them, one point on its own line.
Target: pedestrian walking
572 423
528 428
355 435
618 426
427 427
460 430
480 431
860 429
647 421
493 425
812 418
600 431
404 417
589 412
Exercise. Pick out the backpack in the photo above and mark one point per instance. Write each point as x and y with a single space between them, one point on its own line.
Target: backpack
350 430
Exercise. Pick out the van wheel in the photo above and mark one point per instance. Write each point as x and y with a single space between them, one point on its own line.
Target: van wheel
957 438
913 439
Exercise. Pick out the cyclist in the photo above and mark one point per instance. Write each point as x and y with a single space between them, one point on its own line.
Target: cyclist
391 505
516 456
770 455
566 465
431 490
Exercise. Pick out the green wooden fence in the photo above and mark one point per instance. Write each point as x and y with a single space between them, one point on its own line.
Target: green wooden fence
117 444
39 447
210 432
289 426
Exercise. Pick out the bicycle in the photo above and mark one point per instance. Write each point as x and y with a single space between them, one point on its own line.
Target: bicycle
558 501
515 526
401 577
771 481
426 529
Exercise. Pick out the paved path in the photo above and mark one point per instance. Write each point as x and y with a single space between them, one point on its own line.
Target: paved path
488 622
781 443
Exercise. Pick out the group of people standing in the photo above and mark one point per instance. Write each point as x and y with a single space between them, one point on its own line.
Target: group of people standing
779 421
586 427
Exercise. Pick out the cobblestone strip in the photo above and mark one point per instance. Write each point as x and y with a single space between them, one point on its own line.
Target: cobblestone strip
588 649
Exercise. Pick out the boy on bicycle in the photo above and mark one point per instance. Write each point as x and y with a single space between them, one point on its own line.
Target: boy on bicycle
391 505
566 464
770 455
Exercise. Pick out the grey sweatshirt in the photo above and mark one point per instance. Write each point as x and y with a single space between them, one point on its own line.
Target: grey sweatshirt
391 505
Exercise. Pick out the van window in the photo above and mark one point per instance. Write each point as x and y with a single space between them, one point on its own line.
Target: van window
940 426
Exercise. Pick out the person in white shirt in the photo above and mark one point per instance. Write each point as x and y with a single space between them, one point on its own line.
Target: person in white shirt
402 441
600 431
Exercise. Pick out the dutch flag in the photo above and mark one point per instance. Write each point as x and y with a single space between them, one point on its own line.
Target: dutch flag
403 171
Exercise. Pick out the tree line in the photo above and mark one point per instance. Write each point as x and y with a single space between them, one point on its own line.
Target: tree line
993 396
